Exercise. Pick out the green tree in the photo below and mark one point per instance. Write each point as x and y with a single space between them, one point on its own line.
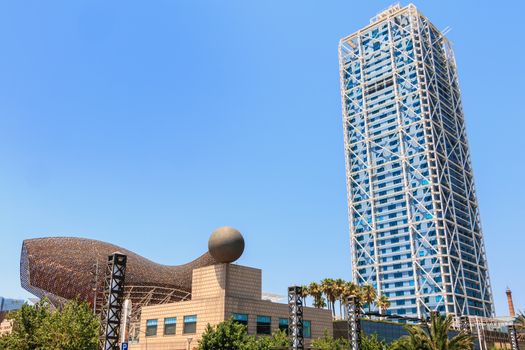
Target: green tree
231 335
339 291
368 295
73 327
329 343
277 341
372 342
383 303
350 289
38 327
328 288
433 336
27 324
227 335
315 291
305 292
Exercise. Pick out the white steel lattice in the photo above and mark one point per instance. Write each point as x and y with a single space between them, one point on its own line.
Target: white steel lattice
414 218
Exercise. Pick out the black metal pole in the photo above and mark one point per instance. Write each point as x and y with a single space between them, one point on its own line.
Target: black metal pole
295 321
354 325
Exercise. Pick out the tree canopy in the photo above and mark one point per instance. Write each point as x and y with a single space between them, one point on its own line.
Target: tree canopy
331 293
231 335
433 336
38 327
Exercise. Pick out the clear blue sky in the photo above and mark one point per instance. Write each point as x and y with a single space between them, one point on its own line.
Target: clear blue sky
149 124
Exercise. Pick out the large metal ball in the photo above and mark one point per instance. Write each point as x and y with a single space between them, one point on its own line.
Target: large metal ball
226 244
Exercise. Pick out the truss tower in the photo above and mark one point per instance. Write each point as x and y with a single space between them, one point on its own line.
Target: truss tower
414 218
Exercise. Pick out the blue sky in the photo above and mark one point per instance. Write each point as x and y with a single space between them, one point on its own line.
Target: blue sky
149 124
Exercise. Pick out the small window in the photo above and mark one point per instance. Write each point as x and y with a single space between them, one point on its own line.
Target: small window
240 318
264 325
151 328
170 325
307 329
283 325
190 324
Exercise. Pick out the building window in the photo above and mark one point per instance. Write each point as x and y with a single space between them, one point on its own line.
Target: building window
307 329
240 318
264 325
283 325
170 325
190 324
151 328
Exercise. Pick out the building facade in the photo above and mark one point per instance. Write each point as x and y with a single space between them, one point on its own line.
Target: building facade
6 326
10 304
219 292
413 212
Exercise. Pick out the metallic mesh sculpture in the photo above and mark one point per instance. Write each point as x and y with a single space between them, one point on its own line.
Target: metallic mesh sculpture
64 268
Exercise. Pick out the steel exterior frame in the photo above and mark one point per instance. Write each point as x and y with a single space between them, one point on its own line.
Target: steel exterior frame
414 220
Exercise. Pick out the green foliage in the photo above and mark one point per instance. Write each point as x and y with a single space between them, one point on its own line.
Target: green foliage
368 295
329 343
372 342
383 303
278 340
331 292
433 337
38 327
230 335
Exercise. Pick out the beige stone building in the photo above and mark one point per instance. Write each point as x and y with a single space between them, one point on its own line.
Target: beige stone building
6 326
219 292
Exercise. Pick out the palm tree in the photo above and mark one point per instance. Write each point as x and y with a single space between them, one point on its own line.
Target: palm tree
433 336
304 293
339 289
327 286
369 295
350 288
384 303
320 303
315 291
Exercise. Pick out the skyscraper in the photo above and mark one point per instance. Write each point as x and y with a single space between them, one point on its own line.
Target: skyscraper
414 219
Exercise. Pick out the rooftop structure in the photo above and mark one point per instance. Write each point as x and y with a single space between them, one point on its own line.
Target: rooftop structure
414 219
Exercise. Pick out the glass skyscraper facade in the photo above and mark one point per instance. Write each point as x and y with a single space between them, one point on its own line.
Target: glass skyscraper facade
414 220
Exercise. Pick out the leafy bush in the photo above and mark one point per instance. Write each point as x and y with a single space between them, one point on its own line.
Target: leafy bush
37 327
230 335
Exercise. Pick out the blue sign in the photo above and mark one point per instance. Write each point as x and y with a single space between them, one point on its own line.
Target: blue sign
124 346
